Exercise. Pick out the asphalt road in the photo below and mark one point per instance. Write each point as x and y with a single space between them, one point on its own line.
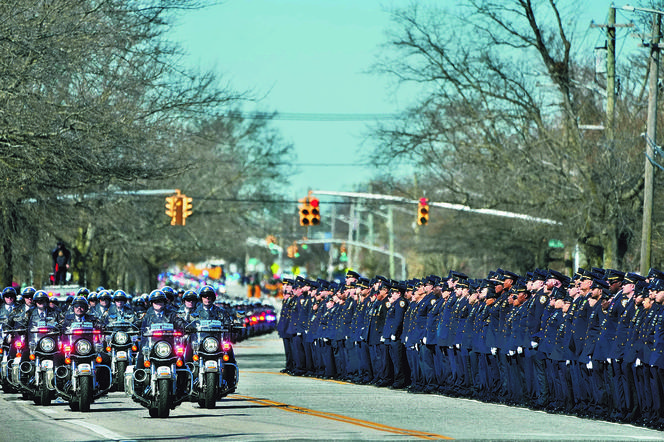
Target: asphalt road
271 406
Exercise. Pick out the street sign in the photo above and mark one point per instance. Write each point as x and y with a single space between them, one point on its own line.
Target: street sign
556 244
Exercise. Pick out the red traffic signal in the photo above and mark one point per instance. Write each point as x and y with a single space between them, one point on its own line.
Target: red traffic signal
423 212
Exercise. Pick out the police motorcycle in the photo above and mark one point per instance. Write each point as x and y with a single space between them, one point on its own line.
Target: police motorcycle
160 381
163 382
36 352
214 368
77 380
9 339
36 375
122 347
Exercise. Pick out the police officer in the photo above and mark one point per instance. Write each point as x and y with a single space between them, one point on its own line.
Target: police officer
120 310
189 301
396 351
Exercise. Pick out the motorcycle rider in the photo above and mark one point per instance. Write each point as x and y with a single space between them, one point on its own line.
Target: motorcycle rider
170 298
157 314
92 301
120 309
26 294
81 313
207 309
7 310
39 311
188 307
105 298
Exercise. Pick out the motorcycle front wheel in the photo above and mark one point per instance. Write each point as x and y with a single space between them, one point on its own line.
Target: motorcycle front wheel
85 394
211 381
44 395
163 397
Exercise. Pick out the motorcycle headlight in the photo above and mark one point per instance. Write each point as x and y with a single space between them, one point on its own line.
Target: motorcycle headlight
83 347
210 345
120 338
162 349
47 345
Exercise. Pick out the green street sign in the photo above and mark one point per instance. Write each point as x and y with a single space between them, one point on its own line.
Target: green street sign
556 244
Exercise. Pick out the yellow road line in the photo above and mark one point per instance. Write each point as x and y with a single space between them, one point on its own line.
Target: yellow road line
342 418
286 374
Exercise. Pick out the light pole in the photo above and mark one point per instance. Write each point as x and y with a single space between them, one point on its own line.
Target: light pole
651 137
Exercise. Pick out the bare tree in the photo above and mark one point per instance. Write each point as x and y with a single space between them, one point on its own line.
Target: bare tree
500 124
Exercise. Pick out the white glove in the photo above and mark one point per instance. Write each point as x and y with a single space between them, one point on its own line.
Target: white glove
417 347
534 344
567 362
589 365
608 360
382 339
510 353
519 350
405 339
458 346
637 363
424 340
494 350
299 334
346 337
394 338
326 340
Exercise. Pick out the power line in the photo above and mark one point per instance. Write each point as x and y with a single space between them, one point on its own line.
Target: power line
310 116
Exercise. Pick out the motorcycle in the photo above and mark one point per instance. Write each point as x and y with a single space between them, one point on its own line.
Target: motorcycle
8 351
122 347
164 381
36 375
77 380
214 367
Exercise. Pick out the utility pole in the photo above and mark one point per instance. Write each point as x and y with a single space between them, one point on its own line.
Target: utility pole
611 75
651 140
390 228
330 261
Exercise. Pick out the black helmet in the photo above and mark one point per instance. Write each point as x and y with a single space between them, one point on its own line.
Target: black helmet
9 292
83 292
80 301
169 292
54 300
190 295
207 292
28 292
69 299
40 296
138 301
156 296
119 295
104 295
93 297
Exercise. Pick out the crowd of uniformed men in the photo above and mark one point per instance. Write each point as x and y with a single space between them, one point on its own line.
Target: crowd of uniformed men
591 345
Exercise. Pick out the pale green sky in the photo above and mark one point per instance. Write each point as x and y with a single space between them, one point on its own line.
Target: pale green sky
311 56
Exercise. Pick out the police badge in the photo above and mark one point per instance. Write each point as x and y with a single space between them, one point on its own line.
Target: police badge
542 299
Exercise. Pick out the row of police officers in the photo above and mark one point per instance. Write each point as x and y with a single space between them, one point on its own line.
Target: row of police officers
590 345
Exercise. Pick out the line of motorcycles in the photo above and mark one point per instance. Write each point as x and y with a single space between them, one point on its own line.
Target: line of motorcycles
82 363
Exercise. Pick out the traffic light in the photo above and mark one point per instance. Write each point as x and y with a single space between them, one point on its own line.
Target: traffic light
423 212
170 208
271 241
292 252
315 211
343 256
174 209
186 207
305 212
